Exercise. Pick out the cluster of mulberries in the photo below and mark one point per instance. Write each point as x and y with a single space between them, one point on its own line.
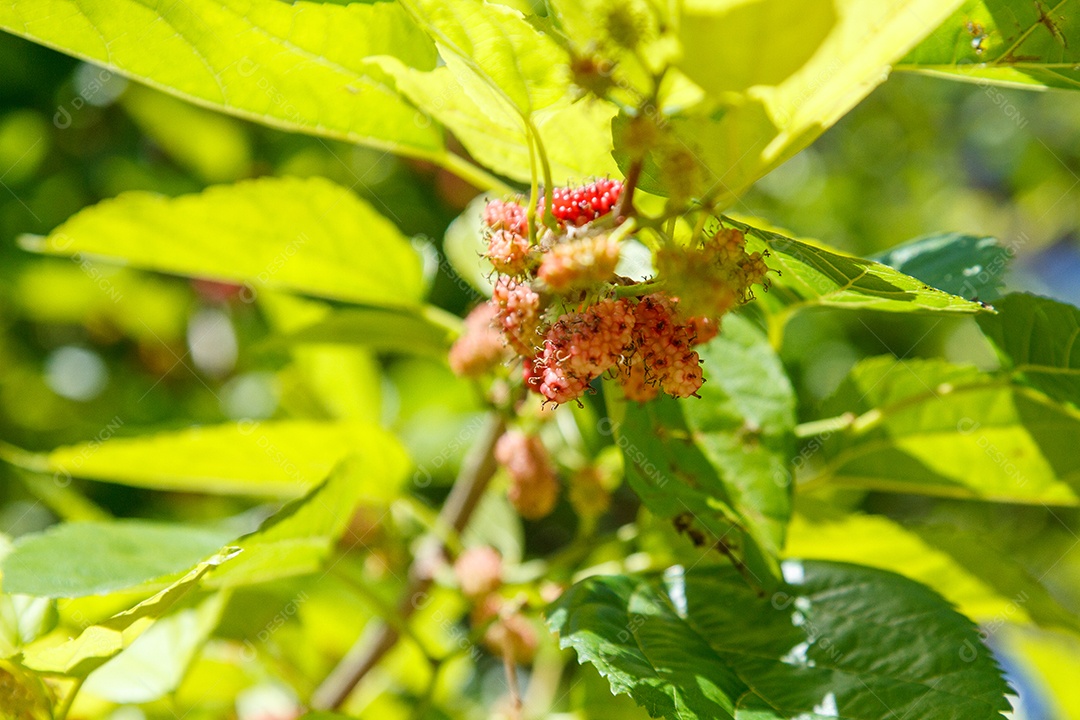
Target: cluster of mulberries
643 342
549 304
716 276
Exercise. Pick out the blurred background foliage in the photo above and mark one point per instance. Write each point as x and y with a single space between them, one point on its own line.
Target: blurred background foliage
90 350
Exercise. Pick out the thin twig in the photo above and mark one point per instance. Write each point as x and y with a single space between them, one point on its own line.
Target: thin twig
379 637
512 680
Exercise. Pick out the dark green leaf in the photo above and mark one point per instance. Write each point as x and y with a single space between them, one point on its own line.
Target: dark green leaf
95 558
717 466
969 266
1037 339
837 640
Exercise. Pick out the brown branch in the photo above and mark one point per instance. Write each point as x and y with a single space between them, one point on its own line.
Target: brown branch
379 637
626 202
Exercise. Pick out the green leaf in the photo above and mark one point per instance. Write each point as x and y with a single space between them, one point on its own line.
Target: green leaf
744 424
96 558
22 618
576 136
969 266
380 329
464 246
836 641
717 466
777 84
1036 338
502 62
155 664
505 86
628 43
298 538
969 570
812 276
926 426
1002 42
212 147
299 66
99 642
276 459
301 235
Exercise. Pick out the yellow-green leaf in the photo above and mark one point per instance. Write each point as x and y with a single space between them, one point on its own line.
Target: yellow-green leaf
276 459
300 66
1003 42
783 72
99 642
302 235
299 538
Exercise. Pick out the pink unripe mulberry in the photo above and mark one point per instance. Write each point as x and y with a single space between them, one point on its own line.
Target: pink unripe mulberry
479 571
581 346
511 634
480 348
518 314
579 263
508 252
663 354
534 485
506 215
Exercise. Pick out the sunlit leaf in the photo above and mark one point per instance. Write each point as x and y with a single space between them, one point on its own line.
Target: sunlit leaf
382 330
623 45
98 643
1023 44
504 64
23 618
576 135
278 459
464 247
302 235
812 276
300 66
1037 338
925 426
806 67
836 641
157 661
969 571
1047 660
299 537
94 558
